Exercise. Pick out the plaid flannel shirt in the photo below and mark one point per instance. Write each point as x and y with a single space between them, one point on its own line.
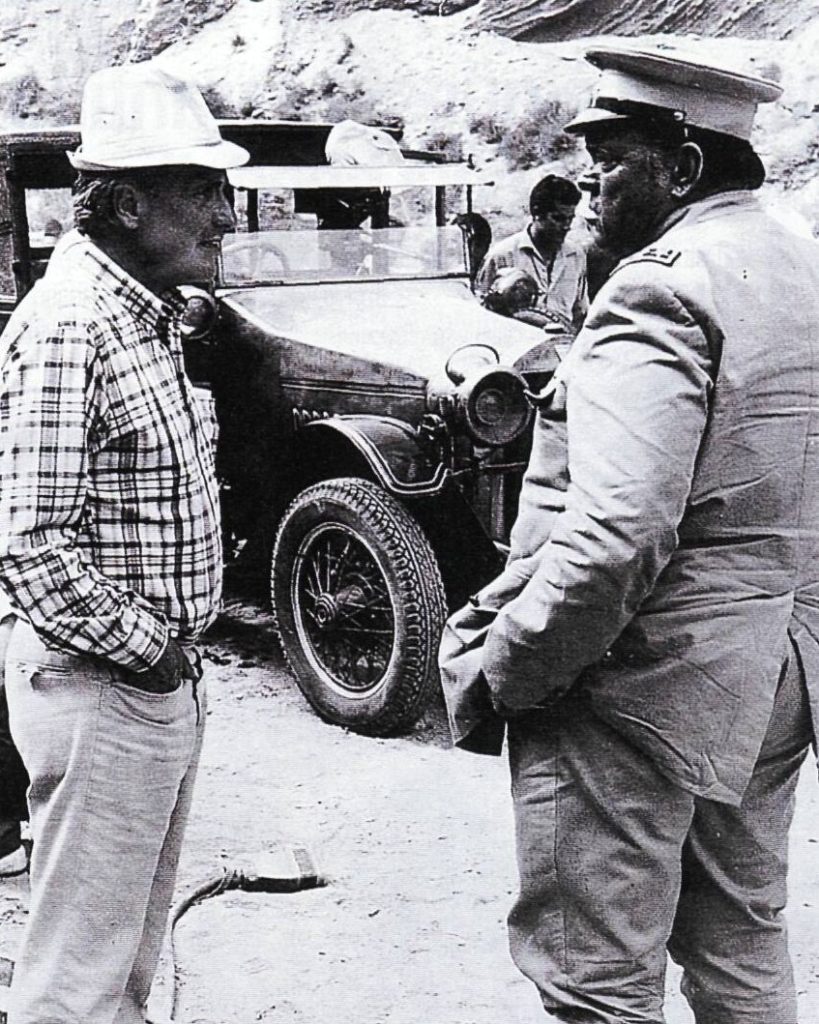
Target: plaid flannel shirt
109 522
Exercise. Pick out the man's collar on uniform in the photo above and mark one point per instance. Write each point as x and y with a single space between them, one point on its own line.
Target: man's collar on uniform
711 206
526 242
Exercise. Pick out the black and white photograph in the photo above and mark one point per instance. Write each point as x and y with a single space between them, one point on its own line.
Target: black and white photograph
409 511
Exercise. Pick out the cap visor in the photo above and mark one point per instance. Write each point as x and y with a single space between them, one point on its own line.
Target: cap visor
590 117
221 156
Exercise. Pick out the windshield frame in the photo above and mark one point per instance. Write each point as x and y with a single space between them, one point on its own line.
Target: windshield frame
297 180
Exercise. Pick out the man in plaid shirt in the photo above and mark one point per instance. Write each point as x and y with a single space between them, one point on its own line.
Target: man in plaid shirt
109 545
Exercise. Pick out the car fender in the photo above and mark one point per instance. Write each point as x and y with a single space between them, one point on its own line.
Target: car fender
390 448
390 453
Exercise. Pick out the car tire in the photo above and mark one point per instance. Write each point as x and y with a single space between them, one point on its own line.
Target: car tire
359 605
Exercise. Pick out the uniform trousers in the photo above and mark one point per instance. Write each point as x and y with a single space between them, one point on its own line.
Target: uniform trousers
618 865
112 770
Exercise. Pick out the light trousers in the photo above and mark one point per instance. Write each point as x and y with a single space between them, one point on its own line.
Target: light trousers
618 865
112 771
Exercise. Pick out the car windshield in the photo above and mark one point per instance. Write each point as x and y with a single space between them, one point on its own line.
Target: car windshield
286 255
309 232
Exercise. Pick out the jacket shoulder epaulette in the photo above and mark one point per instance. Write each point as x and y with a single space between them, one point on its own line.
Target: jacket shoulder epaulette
664 255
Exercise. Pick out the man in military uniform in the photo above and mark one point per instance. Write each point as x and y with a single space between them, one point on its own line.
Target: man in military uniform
659 656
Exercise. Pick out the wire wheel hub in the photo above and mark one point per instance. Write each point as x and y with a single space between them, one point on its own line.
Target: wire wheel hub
343 606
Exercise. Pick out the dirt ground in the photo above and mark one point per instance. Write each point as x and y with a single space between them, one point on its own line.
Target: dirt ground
416 842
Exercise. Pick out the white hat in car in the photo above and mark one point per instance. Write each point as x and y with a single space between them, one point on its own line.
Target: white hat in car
138 115
644 83
353 144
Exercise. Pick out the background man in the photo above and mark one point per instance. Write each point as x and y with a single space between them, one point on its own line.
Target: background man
109 545
653 658
13 777
542 250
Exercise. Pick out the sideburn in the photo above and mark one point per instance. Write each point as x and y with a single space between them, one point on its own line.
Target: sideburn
646 204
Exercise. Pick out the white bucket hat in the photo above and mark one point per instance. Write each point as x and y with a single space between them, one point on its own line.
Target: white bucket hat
138 115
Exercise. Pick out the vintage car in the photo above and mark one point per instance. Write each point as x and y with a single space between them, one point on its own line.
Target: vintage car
373 416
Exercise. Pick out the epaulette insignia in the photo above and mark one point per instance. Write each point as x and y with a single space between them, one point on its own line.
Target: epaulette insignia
666 256
653 254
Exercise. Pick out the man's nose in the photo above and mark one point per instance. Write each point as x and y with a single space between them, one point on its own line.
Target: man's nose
590 182
223 215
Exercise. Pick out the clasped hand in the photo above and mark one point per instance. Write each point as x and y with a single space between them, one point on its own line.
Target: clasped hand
166 675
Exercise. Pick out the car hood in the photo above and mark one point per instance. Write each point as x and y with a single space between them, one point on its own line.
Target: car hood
412 326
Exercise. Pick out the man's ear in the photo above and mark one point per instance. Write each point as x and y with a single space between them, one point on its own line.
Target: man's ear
125 200
687 171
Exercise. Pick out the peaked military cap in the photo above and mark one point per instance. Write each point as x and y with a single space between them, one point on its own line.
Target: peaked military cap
644 83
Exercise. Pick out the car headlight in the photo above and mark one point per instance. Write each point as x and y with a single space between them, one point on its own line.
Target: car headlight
200 313
494 405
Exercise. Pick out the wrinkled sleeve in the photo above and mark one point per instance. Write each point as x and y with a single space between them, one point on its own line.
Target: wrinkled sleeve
52 410
487 272
581 300
636 408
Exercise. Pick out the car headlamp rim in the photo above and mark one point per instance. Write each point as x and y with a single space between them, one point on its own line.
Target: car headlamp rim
466 359
494 405
200 313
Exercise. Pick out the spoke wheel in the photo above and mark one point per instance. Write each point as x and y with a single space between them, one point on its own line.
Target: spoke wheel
359 605
343 607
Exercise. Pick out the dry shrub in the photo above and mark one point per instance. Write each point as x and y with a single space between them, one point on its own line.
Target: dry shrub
448 144
24 97
323 97
538 136
292 102
342 106
487 127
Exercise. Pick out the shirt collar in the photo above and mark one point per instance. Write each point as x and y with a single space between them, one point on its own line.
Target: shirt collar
147 307
525 243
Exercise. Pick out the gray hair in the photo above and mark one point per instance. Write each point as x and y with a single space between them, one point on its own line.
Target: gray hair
93 197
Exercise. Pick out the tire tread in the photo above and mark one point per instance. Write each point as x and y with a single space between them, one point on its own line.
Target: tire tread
418 580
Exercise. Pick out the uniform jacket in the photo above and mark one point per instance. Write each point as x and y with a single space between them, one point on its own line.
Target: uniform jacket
686 545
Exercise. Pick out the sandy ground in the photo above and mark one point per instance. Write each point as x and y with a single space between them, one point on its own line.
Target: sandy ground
416 841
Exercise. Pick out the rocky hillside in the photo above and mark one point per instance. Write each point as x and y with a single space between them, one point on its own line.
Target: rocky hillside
48 47
52 46
496 78
551 20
